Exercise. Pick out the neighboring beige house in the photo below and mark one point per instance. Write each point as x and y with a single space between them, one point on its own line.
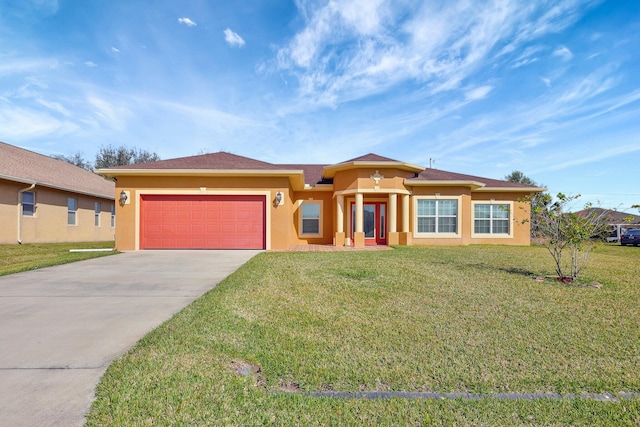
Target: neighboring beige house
47 200
224 201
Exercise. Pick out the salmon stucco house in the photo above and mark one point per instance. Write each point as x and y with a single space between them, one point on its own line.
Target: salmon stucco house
48 200
223 201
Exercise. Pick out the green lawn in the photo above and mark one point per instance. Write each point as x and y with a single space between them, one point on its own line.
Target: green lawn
439 319
17 258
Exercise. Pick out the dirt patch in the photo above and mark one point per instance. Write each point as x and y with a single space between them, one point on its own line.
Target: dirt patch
246 369
566 281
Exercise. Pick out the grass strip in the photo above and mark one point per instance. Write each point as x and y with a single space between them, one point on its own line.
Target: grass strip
31 256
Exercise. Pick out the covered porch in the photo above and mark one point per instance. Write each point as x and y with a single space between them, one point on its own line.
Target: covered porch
365 218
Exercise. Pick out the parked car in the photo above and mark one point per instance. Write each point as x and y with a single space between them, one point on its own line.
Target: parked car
631 237
613 237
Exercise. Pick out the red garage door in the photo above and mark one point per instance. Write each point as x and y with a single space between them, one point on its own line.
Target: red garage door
202 222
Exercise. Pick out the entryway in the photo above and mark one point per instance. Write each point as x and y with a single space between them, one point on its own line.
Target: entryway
374 222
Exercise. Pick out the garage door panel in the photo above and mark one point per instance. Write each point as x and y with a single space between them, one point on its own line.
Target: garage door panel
202 222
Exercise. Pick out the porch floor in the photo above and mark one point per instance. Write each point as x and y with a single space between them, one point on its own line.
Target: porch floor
332 248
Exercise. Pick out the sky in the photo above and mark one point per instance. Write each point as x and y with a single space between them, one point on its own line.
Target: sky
548 88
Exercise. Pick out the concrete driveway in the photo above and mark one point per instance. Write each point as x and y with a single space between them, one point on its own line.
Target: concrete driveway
61 327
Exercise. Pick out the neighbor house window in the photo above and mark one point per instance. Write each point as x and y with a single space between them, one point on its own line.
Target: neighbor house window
113 216
311 218
28 203
72 210
437 216
492 218
96 213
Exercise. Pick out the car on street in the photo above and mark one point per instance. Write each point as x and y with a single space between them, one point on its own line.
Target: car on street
631 237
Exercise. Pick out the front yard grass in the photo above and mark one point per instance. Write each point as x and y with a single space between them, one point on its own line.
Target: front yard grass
438 319
30 256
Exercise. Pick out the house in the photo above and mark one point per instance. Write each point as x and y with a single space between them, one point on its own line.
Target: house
619 222
47 200
222 200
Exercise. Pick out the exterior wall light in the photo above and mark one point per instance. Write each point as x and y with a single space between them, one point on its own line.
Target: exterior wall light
279 198
123 197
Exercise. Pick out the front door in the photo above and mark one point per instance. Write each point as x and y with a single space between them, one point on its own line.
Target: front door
374 222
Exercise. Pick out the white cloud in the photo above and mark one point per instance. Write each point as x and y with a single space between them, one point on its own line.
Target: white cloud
186 21
563 52
90 64
527 57
349 50
48 6
546 81
110 114
9 66
115 50
478 93
26 124
233 38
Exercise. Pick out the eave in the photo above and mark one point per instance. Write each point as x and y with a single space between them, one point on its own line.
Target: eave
443 183
510 190
318 187
55 187
296 177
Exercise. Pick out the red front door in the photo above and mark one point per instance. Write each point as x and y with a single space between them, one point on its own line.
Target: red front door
374 222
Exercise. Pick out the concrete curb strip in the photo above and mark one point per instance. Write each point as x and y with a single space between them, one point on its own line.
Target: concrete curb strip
605 397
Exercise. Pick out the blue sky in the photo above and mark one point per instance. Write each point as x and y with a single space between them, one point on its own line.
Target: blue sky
550 88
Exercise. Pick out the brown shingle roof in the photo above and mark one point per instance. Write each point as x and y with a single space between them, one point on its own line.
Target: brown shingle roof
312 173
371 157
613 217
440 175
220 160
18 164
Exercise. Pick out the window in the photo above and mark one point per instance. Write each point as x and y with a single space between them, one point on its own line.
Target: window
491 218
311 218
96 213
72 210
113 216
437 216
28 203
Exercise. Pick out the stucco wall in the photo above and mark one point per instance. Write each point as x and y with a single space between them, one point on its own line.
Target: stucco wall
519 212
283 221
281 233
49 224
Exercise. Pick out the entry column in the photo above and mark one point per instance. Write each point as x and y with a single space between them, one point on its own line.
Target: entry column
358 235
405 236
339 239
394 237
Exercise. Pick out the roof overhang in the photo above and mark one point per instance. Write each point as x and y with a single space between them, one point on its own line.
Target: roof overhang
55 187
475 186
318 187
443 183
296 177
510 189
330 171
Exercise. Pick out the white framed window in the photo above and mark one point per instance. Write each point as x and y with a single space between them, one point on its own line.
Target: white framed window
113 215
28 203
96 213
492 219
72 211
437 216
311 218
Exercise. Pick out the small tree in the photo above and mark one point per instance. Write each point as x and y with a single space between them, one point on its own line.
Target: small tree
536 199
75 159
111 156
566 234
